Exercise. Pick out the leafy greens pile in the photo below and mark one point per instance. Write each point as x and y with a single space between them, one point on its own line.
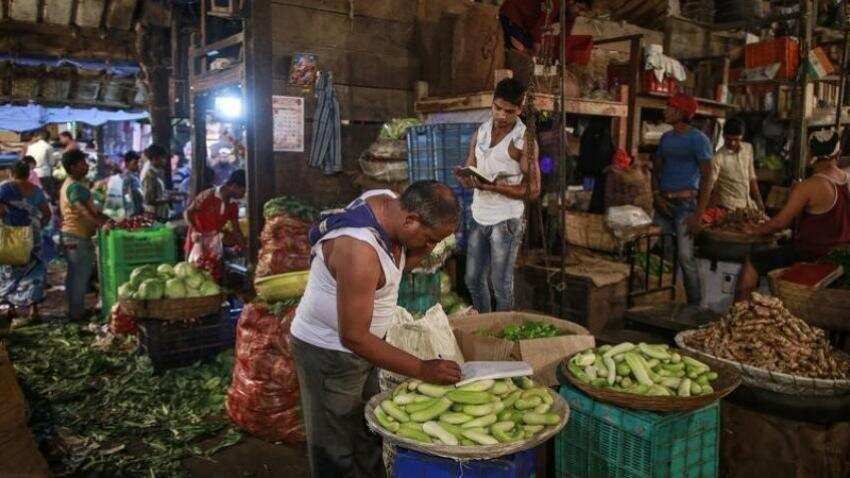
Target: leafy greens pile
104 411
528 330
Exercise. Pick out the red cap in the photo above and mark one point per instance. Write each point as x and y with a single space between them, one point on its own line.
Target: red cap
685 103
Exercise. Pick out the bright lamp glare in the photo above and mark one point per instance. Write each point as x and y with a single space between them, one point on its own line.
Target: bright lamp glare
228 106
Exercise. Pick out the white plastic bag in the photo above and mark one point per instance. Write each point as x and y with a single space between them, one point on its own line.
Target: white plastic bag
621 218
428 338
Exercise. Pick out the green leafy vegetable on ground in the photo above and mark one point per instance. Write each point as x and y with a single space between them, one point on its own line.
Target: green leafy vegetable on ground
102 410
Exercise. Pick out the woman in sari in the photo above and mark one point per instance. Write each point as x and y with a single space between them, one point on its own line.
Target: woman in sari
24 204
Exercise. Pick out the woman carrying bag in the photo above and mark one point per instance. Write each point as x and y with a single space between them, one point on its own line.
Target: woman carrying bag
23 205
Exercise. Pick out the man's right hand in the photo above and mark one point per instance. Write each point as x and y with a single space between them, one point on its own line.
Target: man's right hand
439 371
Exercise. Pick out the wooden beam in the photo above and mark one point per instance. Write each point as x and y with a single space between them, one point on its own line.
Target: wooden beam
232 40
75 6
217 78
259 131
60 40
198 114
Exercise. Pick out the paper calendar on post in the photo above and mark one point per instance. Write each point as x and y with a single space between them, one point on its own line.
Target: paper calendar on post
288 114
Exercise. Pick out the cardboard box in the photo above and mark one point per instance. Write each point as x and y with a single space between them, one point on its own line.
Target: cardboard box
544 355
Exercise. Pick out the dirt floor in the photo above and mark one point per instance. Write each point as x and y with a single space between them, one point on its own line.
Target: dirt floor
249 458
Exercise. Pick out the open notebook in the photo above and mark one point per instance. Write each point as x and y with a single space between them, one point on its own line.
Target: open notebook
474 371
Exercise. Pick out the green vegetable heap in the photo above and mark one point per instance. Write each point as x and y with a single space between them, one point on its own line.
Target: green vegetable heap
293 207
166 282
486 412
642 369
101 411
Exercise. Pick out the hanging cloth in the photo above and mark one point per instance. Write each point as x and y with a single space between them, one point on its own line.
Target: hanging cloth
325 151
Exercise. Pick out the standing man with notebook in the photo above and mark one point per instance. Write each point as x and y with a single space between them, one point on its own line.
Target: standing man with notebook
498 150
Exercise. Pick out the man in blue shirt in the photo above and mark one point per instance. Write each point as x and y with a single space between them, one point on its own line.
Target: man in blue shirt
683 168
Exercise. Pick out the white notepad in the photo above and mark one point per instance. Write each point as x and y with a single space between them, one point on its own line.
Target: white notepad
474 371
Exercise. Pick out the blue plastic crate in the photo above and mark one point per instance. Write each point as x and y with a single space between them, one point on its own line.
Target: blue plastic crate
411 464
464 197
419 291
434 150
602 440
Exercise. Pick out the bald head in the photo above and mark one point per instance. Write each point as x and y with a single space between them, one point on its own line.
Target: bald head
434 203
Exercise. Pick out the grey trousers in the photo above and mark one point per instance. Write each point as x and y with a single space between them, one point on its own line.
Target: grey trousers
335 387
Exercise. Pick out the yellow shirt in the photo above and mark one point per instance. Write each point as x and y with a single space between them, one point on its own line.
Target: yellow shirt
732 173
72 223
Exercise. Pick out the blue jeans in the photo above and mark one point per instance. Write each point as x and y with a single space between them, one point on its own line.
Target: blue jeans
490 259
682 209
79 252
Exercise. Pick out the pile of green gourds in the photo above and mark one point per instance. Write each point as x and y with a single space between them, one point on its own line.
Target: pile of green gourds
642 369
485 412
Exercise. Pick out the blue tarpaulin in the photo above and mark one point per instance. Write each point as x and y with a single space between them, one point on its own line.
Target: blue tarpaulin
30 117
123 69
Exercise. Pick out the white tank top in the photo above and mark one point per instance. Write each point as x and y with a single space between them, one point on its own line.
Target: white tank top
316 319
489 208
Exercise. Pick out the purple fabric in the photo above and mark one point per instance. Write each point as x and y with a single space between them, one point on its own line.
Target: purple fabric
358 214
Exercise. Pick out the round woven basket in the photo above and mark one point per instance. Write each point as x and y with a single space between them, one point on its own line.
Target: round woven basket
173 309
480 452
719 235
825 308
727 381
769 380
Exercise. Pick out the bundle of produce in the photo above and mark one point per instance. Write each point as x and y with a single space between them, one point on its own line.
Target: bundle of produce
140 221
528 330
762 333
184 280
263 397
481 413
449 299
713 216
284 243
740 220
396 128
642 369
435 260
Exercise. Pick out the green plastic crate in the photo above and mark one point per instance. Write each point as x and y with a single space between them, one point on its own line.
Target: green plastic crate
155 245
602 440
419 292
111 277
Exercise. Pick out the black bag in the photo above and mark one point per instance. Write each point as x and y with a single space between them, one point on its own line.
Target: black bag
596 149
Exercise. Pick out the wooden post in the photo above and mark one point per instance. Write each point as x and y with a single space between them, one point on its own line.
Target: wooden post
258 95
621 125
805 98
154 54
199 143
634 86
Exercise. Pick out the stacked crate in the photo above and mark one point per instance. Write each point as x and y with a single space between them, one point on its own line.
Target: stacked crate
120 251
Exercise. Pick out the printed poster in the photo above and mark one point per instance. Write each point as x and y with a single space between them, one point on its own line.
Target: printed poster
288 114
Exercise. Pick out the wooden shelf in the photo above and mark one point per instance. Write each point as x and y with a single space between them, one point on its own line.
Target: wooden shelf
217 78
707 107
542 101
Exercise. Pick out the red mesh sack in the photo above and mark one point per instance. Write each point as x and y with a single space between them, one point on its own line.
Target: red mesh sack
120 323
285 246
263 396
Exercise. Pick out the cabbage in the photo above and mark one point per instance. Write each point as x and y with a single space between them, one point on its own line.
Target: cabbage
165 270
175 289
140 274
184 269
207 275
192 292
194 280
151 289
125 291
209 288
